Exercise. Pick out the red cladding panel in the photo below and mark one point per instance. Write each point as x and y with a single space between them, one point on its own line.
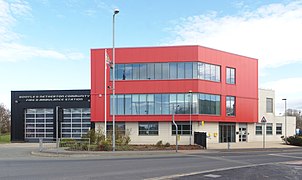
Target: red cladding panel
245 90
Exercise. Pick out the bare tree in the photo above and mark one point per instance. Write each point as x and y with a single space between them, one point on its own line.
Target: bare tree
5 118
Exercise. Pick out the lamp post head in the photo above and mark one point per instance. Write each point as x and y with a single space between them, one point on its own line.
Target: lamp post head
116 11
284 99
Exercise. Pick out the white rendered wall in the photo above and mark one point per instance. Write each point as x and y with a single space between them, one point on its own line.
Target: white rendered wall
165 133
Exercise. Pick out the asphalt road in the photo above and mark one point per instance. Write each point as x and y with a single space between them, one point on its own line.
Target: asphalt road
204 165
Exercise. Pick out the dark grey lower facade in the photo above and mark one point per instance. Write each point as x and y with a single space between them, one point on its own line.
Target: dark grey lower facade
35 114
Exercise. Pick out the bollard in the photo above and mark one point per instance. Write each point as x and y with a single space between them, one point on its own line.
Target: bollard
40 144
229 145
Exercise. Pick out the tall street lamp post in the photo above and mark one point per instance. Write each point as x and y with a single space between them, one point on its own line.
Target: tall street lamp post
285 126
176 127
191 100
116 11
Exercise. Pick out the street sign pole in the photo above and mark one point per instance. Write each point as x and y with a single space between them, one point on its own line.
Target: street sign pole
263 121
263 135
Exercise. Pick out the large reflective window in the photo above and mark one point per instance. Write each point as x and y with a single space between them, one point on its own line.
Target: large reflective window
128 102
208 104
150 104
207 74
217 105
120 71
230 106
120 104
120 128
188 103
165 103
143 71
135 71
181 104
213 104
230 75
165 70
195 70
195 104
150 71
128 71
173 70
217 74
158 71
135 104
182 127
113 104
148 128
201 70
173 103
143 103
213 73
188 70
202 103
180 70
157 99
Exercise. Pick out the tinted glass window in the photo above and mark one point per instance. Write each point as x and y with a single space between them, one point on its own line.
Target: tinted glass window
135 104
121 104
165 70
173 70
201 71
150 104
188 70
157 99
128 102
128 71
180 70
158 71
195 70
135 71
143 71
120 69
165 103
150 70
180 103
143 103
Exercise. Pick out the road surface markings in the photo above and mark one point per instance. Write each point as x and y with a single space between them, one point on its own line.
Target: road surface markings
206 171
283 155
212 175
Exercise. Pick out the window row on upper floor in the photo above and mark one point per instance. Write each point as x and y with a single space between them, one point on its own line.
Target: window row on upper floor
165 71
195 103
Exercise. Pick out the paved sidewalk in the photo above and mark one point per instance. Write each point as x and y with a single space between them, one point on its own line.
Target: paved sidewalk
250 145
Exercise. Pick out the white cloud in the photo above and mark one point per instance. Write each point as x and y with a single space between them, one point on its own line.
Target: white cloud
90 12
17 52
11 49
20 8
271 33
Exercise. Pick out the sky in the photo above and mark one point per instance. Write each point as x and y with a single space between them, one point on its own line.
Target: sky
45 44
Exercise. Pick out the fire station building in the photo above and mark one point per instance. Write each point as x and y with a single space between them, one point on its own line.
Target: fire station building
202 89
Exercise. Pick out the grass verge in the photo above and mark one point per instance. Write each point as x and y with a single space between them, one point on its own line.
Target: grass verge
4 138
